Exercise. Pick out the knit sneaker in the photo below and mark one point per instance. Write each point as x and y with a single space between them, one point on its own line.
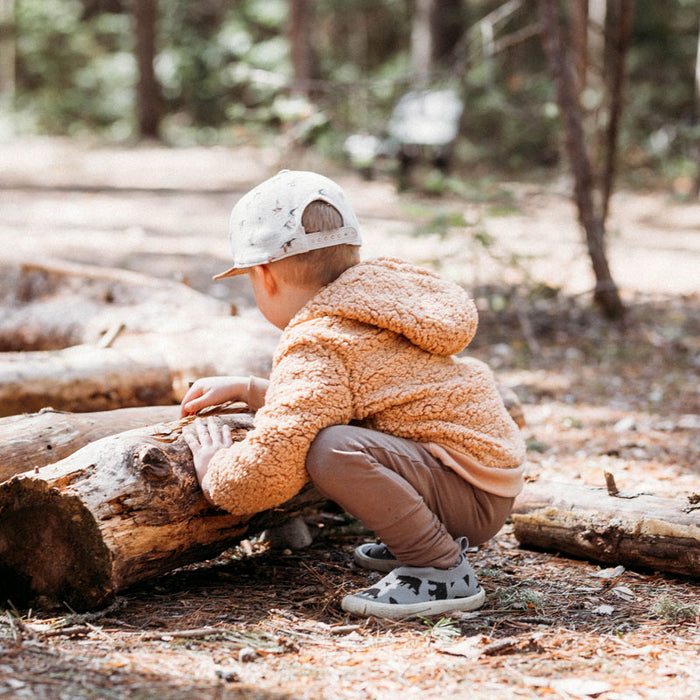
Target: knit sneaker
410 590
376 557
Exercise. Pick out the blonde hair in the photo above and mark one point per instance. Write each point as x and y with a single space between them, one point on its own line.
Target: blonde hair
323 265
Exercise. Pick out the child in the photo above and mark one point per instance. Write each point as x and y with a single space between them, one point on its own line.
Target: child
365 399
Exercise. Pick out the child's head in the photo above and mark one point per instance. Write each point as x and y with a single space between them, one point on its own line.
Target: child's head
299 221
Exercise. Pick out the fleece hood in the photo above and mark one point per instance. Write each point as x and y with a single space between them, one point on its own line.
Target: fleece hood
432 313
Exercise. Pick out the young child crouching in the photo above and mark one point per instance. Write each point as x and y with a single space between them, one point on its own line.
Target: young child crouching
366 399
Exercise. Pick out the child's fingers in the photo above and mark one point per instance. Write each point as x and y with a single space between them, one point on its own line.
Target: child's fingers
203 432
220 434
190 438
197 403
190 407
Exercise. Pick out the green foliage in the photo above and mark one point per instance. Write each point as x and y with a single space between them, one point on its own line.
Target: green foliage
73 74
674 611
221 63
515 598
444 628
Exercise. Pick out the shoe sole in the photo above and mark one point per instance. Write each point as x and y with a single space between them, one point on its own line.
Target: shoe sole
383 565
364 608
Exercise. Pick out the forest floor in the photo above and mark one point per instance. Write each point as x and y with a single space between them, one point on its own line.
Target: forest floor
598 397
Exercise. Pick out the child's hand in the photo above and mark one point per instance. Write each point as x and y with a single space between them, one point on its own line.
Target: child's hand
205 438
210 391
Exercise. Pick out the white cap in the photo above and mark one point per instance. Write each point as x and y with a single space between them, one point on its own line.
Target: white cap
266 223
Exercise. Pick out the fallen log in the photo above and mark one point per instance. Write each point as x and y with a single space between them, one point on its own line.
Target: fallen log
82 378
643 531
122 509
55 304
38 439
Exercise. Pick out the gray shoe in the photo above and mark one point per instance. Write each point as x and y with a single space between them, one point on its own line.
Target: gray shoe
376 557
410 590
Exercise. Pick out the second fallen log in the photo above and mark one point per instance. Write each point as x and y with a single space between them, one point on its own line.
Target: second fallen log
645 531
34 440
82 378
118 511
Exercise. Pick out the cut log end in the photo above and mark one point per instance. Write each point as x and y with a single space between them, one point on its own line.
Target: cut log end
119 510
51 549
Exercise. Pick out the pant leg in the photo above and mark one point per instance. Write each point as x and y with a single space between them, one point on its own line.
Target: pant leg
412 502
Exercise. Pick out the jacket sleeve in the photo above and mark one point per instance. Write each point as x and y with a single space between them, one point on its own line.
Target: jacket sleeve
257 388
308 391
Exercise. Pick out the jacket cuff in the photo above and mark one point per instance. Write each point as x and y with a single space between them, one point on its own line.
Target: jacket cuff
257 388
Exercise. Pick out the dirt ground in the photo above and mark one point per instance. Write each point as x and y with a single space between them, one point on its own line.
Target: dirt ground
622 398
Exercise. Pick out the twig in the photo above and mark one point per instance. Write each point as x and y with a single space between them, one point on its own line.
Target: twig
526 621
613 490
612 486
110 335
344 629
499 645
185 634
83 618
71 631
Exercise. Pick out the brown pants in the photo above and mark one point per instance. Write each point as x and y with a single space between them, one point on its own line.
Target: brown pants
412 502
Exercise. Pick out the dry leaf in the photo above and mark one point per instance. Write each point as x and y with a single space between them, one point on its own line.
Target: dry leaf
609 573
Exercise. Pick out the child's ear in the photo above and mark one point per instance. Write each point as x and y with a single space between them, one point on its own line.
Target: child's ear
267 279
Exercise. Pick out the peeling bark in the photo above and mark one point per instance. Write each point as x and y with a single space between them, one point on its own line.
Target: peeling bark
119 510
38 439
82 378
644 531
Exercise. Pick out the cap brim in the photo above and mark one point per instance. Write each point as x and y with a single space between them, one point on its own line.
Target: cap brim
231 272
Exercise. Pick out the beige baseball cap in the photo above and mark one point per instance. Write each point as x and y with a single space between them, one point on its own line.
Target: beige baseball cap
265 223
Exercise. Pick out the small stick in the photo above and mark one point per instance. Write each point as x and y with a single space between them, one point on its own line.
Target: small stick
612 486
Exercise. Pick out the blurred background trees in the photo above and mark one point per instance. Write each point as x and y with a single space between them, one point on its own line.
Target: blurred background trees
231 70
609 86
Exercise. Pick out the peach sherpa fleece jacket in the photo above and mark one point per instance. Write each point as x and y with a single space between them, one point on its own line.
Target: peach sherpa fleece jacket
374 347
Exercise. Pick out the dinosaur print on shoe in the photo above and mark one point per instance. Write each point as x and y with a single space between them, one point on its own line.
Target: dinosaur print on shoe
408 591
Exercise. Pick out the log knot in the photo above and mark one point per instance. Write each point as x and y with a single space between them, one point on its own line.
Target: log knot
153 461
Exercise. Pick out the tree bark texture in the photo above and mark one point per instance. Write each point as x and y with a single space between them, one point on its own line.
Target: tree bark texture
55 304
35 440
422 43
618 48
300 33
82 378
646 532
147 98
119 510
606 293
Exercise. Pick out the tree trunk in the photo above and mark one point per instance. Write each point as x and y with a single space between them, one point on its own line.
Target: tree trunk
579 41
120 510
300 34
82 378
7 49
145 16
447 22
32 441
696 119
619 44
646 532
606 294
422 43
